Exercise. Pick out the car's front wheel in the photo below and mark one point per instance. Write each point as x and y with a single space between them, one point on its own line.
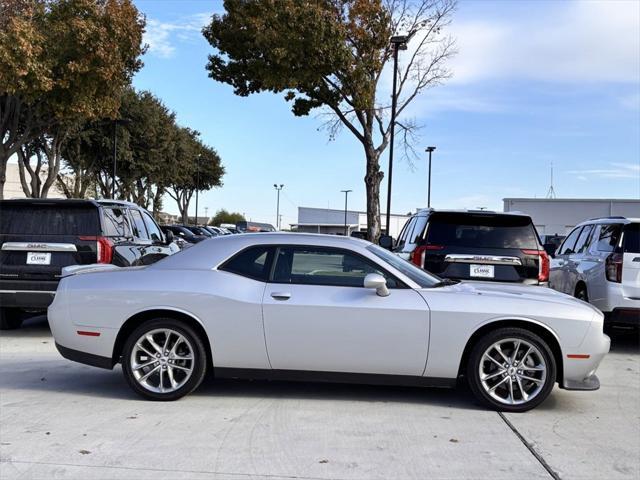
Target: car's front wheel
164 359
511 369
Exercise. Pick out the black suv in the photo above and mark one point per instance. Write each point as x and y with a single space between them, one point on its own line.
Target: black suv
475 245
38 237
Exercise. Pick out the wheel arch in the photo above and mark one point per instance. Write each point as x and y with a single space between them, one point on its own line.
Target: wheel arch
581 284
535 327
161 312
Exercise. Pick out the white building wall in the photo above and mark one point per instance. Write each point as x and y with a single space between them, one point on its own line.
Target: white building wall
560 215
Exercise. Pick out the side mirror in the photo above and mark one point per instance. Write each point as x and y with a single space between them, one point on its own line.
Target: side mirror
386 241
169 237
377 281
550 248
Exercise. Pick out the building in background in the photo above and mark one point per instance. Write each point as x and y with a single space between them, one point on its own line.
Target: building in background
13 187
560 215
331 221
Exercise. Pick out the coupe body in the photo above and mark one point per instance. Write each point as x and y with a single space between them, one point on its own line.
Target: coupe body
318 307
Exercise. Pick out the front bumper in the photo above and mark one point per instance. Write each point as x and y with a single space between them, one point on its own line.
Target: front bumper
580 364
86 358
589 383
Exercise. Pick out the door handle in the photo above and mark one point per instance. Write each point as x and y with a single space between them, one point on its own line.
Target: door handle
281 295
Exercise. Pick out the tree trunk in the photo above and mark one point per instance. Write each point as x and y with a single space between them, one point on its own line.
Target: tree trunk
372 181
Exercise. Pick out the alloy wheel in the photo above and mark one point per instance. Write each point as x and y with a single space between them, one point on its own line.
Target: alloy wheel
512 371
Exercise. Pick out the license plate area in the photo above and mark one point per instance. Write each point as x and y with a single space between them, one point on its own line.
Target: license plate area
38 258
481 271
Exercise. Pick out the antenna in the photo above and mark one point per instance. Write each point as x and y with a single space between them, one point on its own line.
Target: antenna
551 193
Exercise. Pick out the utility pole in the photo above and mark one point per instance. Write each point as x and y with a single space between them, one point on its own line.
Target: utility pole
346 194
278 188
197 186
430 151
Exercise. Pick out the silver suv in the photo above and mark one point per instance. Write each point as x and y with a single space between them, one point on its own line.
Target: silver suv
599 262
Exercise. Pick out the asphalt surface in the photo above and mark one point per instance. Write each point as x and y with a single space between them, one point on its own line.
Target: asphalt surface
63 420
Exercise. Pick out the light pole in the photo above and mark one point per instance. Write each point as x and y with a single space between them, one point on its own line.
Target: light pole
399 42
278 188
346 194
116 122
430 151
197 187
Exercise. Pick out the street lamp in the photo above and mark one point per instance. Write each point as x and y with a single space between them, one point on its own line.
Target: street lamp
430 151
346 194
399 42
116 122
278 188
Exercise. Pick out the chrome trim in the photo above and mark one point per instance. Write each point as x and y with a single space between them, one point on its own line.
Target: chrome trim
52 292
38 247
482 259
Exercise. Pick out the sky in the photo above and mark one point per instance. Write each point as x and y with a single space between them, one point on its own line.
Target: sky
535 84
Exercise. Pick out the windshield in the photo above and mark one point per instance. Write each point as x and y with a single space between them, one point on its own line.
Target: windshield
421 277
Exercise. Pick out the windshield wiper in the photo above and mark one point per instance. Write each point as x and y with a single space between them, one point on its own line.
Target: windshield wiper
445 282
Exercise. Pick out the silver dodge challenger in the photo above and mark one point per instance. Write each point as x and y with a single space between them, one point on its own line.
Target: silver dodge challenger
318 307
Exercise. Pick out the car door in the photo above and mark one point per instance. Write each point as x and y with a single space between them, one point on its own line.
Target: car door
580 262
319 317
560 270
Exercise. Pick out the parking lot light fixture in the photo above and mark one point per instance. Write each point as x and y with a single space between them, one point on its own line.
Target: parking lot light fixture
429 150
278 188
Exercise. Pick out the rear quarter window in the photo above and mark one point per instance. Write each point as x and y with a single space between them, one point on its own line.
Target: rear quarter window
49 219
631 239
483 231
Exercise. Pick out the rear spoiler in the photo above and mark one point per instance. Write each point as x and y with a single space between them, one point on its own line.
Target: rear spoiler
94 267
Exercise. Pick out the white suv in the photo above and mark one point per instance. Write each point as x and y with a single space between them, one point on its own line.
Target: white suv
599 262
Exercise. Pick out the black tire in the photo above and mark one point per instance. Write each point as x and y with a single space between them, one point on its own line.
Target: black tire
477 353
581 293
10 318
199 353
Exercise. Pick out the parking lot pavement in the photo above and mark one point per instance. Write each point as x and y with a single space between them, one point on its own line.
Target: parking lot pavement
63 420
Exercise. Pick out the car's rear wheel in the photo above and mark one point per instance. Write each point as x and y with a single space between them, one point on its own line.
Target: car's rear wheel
10 318
164 359
511 369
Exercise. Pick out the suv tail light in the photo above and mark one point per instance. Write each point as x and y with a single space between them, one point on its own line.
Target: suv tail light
104 248
418 255
543 265
613 267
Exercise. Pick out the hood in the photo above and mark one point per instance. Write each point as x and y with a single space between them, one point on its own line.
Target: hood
521 292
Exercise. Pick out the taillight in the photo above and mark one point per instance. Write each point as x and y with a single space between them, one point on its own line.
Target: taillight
418 255
613 267
104 248
543 264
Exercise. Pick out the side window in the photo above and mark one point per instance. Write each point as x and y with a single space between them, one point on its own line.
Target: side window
405 232
418 230
139 230
254 262
116 222
608 237
583 239
569 242
324 266
152 227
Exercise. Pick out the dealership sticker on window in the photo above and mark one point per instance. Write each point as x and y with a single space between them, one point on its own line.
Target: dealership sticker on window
483 271
38 258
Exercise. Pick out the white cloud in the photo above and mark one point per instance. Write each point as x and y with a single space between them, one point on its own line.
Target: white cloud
615 170
162 37
577 41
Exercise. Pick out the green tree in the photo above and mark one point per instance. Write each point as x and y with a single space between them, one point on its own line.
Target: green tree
223 216
61 62
332 54
196 167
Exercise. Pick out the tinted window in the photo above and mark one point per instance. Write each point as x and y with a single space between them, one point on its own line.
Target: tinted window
324 266
608 238
152 227
631 241
51 219
139 230
486 231
569 243
254 262
404 233
583 239
116 222
418 230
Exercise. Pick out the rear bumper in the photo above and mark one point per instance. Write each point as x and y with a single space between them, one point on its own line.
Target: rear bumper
623 316
31 299
86 358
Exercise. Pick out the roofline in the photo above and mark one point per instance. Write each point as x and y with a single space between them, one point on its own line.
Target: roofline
551 200
350 211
